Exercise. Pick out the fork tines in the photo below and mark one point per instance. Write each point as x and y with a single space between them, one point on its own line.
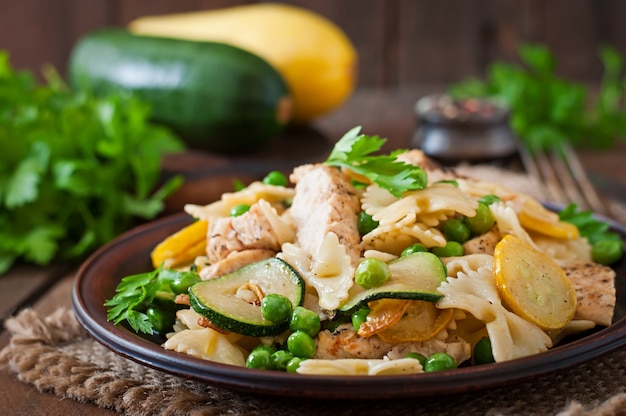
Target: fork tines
561 178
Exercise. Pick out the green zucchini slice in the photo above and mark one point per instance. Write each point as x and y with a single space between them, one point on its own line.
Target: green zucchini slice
415 276
223 302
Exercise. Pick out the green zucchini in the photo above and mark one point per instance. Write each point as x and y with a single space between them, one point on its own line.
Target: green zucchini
216 299
216 96
414 276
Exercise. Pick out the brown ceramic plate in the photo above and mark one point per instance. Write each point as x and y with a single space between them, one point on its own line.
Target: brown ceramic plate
99 275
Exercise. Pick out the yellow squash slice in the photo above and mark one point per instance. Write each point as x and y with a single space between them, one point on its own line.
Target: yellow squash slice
181 247
533 285
535 217
421 321
383 314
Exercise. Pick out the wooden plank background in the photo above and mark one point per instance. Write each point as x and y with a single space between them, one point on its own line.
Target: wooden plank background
399 42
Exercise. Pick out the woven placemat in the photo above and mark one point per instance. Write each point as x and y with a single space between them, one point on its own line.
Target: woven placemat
54 354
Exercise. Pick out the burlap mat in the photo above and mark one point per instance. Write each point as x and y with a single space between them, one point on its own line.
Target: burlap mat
55 354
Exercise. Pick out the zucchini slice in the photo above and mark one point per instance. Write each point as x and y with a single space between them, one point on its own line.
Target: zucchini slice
415 276
223 300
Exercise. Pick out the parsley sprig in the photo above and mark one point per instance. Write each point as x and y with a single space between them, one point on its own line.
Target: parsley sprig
606 246
75 170
355 151
136 294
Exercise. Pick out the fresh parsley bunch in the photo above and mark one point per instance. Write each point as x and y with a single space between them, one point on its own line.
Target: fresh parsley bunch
547 109
75 170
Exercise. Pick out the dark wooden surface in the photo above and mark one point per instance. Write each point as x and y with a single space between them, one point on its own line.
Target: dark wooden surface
399 42
388 113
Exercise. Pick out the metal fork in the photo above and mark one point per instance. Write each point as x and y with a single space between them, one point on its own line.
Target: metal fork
561 179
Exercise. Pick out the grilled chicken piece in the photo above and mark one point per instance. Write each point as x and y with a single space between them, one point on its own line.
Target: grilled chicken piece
595 290
235 261
345 343
325 201
251 230
482 244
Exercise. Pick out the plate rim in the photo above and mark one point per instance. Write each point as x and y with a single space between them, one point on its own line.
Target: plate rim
128 344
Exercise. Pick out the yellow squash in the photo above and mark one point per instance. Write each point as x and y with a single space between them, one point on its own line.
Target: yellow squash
532 284
314 56
181 247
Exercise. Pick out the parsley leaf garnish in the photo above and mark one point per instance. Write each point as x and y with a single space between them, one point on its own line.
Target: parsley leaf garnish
136 293
354 151
607 246
76 170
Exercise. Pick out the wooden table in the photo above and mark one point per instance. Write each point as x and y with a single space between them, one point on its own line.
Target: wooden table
386 113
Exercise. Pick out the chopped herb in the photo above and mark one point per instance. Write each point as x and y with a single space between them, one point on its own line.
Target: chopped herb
354 151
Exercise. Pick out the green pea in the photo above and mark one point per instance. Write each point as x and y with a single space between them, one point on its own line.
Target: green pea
276 308
456 230
305 320
261 359
275 178
414 248
238 210
359 317
482 352
607 252
161 320
183 281
449 181
419 357
451 249
372 272
266 347
366 223
300 344
489 199
482 222
439 361
293 364
280 359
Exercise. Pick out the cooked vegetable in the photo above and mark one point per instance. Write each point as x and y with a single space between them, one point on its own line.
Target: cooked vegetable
414 276
456 230
239 209
300 344
216 96
305 320
419 322
260 358
372 273
451 249
414 248
314 56
439 361
75 170
276 308
221 302
181 247
482 352
366 223
482 222
275 178
532 284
